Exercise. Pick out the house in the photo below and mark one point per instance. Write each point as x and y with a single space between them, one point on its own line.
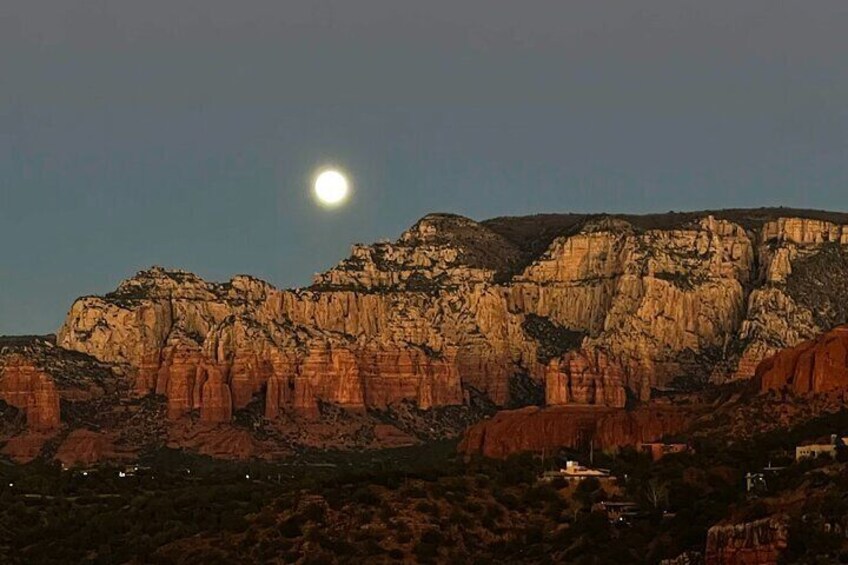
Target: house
657 450
813 450
574 472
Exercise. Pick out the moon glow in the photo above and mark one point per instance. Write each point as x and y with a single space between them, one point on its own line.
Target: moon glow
331 188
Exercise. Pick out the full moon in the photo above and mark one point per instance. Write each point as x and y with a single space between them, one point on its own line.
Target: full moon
331 188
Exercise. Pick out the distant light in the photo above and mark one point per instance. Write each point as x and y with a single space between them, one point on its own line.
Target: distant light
121 474
11 485
247 477
85 473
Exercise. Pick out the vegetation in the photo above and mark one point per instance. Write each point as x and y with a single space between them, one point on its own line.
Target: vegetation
554 340
818 282
422 503
534 234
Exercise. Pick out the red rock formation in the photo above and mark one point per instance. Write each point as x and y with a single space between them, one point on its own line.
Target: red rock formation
178 381
191 382
372 377
443 308
43 404
86 447
278 394
216 402
392 375
388 436
147 376
24 386
535 429
329 374
25 447
585 377
754 543
222 442
248 375
819 365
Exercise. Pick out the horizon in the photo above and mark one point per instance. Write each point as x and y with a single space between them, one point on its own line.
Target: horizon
167 133
177 268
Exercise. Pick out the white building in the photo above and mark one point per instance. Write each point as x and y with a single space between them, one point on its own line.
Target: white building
816 449
573 471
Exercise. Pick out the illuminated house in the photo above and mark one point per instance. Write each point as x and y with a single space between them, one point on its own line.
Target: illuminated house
813 450
573 471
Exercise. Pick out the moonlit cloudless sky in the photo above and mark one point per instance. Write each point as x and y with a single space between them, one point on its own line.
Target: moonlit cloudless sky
185 134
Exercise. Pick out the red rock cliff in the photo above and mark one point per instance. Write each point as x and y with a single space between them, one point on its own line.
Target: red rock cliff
535 429
442 311
24 386
815 366
585 377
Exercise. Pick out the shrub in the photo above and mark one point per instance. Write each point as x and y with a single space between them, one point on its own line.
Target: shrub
426 551
365 496
432 536
292 528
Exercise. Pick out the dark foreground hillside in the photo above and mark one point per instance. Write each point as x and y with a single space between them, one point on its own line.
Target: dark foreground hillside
422 504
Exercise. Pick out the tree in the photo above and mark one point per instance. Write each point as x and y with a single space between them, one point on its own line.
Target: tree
656 494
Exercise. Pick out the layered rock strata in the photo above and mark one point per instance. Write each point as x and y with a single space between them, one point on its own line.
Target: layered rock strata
26 387
443 312
585 377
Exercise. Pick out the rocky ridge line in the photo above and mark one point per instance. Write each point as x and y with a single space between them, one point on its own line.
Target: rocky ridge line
443 312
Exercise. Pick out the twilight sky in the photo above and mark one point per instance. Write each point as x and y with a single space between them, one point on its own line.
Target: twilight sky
185 133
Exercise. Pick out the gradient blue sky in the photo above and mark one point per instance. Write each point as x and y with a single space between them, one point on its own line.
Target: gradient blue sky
185 133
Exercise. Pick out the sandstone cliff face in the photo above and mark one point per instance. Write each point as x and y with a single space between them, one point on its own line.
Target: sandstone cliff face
443 311
784 310
416 321
585 377
816 366
644 297
24 386
754 543
57 390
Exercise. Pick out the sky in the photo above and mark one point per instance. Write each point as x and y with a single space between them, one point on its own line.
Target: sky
186 134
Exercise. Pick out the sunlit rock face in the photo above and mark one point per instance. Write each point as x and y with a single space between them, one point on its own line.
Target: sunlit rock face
37 378
585 378
28 388
815 366
644 297
803 265
548 429
592 309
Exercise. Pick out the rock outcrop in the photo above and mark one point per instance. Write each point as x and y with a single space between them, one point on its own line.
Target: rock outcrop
26 387
801 291
815 366
753 543
537 430
84 447
25 447
592 309
585 377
